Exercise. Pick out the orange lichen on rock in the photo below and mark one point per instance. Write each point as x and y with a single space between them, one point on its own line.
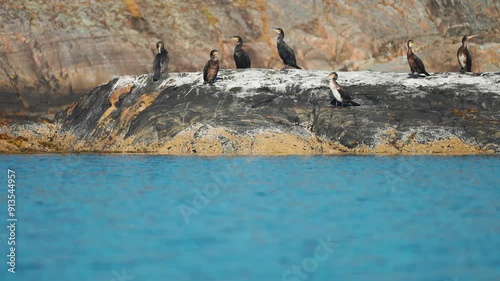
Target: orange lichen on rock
113 98
449 146
142 103
132 7
37 139
208 140
464 113
70 108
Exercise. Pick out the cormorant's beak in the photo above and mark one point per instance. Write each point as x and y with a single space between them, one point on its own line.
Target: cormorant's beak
234 38
472 36
276 30
159 49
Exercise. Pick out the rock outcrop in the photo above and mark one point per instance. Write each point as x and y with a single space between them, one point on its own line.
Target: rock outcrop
261 112
53 52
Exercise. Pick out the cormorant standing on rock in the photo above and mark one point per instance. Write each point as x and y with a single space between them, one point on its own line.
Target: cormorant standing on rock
161 61
416 64
211 68
241 58
341 96
286 53
464 56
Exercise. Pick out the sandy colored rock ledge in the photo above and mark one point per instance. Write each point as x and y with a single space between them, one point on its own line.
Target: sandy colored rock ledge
33 138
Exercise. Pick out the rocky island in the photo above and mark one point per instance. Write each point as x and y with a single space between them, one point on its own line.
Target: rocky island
273 112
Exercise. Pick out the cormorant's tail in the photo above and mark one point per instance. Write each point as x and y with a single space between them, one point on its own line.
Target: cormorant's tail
334 102
296 66
156 75
426 74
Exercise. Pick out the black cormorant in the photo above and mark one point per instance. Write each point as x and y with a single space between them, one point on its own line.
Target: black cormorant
211 68
161 61
341 96
464 56
416 64
286 53
241 58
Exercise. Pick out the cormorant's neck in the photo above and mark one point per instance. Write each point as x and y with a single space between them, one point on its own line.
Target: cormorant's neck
464 44
214 58
280 37
409 52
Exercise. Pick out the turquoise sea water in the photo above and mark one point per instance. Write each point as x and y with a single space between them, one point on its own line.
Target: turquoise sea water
124 218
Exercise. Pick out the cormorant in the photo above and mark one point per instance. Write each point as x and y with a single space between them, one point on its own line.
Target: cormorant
464 56
241 58
341 96
161 61
211 68
286 53
416 64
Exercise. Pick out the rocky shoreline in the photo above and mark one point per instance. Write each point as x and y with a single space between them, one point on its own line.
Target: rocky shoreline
270 112
52 53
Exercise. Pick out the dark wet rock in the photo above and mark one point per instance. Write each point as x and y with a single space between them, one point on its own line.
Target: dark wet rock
261 111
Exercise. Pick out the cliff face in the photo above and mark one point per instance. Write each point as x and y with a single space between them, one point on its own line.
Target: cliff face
275 112
52 52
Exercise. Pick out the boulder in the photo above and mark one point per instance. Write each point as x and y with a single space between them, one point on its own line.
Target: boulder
261 111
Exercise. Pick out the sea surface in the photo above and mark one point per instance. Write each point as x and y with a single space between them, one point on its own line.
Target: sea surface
140 217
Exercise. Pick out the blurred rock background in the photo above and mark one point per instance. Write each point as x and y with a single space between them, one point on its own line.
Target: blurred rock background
51 52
